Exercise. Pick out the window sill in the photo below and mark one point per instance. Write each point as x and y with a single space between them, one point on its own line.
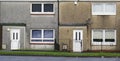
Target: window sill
103 14
43 43
107 44
44 13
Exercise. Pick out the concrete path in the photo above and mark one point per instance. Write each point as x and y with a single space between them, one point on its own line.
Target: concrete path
39 58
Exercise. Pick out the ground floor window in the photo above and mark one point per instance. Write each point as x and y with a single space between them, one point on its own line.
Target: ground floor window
103 37
42 36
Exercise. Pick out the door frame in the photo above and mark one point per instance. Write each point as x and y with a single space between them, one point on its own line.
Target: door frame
15 36
81 31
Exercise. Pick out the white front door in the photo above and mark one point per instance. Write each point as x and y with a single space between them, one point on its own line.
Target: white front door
15 39
77 40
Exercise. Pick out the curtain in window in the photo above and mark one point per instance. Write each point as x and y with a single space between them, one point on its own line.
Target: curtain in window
110 8
109 36
104 9
97 35
97 8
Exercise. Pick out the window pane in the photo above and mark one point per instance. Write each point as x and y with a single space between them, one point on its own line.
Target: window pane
36 7
76 35
48 7
16 36
97 8
110 8
109 36
48 33
13 36
36 40
36 33
109 40
97 35
98 40
47 40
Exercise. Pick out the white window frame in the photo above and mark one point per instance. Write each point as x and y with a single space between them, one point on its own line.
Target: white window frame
103 43
103 12
42 30
42 9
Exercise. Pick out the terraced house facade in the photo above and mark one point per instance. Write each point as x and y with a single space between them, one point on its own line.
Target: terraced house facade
89 25
72 25
29 24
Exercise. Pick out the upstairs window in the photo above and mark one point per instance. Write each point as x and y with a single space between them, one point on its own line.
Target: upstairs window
48 7
36 8
103 9
43 8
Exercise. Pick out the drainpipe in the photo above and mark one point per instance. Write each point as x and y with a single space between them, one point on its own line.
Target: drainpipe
88 23
101 46
58 48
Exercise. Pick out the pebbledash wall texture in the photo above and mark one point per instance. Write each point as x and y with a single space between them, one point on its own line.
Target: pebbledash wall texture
71 25
98 20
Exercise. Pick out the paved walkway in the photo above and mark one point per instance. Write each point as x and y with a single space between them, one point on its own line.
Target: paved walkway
38 58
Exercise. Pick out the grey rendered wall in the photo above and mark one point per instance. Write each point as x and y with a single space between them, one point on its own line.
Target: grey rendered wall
14 12
19 12
28 0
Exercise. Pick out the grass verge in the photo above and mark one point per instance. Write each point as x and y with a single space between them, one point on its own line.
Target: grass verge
59 54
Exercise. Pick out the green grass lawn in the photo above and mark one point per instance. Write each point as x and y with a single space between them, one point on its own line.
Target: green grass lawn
54 53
